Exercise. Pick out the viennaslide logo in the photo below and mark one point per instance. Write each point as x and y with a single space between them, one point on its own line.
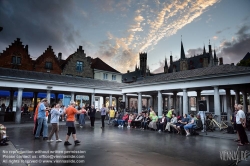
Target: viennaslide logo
234 155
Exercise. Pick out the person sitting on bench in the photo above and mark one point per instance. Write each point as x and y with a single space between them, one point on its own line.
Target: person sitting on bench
189 125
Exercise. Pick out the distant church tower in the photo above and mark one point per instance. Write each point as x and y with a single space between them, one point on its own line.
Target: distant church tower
166 66
143 63
183 60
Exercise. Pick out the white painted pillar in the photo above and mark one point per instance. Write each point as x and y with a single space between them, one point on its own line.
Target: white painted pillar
127 102
92 99
159 103
48 96
139 103
19 105
169 102
185 101
110 100
228 104
217 110
72 96
207 100
123 97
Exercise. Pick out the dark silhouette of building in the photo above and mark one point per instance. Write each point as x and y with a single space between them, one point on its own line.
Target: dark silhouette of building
206 59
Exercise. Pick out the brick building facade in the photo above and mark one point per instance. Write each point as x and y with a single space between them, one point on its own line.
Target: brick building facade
16 56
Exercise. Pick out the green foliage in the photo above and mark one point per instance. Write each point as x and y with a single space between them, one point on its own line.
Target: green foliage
244 63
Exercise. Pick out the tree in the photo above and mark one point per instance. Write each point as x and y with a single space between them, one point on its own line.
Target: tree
244 63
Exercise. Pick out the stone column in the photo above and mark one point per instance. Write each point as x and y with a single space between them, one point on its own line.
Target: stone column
217 110
185 101
127 102
228 104
92 99
19 106
139 103
72 96
148 99
207 100
237 96
180 107
124 97
169 102
48 96
110 100
244 93
198 97
159 103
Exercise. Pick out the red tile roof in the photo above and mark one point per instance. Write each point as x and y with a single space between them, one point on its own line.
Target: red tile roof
97 63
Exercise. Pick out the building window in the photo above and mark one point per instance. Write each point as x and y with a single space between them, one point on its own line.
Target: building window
105 76
79 66
16 60
113 77
48 65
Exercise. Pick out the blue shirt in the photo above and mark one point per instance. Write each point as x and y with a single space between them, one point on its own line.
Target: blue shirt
42 111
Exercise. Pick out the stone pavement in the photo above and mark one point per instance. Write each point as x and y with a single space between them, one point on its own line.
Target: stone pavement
118 146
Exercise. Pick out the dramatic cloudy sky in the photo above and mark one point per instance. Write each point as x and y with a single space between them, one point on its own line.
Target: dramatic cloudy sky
117 30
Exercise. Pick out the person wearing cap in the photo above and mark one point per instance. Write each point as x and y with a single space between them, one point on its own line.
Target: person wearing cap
42 121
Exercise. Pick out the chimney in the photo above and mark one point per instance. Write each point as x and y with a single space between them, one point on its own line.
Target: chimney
171 59
232 64
221 61
27 49
59 56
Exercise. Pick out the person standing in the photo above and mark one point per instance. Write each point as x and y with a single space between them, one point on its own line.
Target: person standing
42 122
241 125
82 117
70 123
111 114
103 115
55 114
91 114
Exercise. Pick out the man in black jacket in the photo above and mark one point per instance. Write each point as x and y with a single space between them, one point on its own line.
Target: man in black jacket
91 114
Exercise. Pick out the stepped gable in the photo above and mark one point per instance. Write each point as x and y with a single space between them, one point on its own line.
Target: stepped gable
17 56
48 56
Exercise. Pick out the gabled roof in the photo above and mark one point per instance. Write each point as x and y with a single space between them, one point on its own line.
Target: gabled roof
97 63
58 79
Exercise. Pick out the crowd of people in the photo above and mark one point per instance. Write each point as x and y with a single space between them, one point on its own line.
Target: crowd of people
168 122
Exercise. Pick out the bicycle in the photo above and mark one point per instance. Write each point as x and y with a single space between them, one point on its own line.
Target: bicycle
212 123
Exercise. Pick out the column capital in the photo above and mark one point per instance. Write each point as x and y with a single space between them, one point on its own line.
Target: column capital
198 91
184 89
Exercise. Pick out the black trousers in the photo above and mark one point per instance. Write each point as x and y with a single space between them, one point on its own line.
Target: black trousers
103 118
92 121
242 134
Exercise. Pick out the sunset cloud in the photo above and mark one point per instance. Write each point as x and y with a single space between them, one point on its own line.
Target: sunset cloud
150 26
